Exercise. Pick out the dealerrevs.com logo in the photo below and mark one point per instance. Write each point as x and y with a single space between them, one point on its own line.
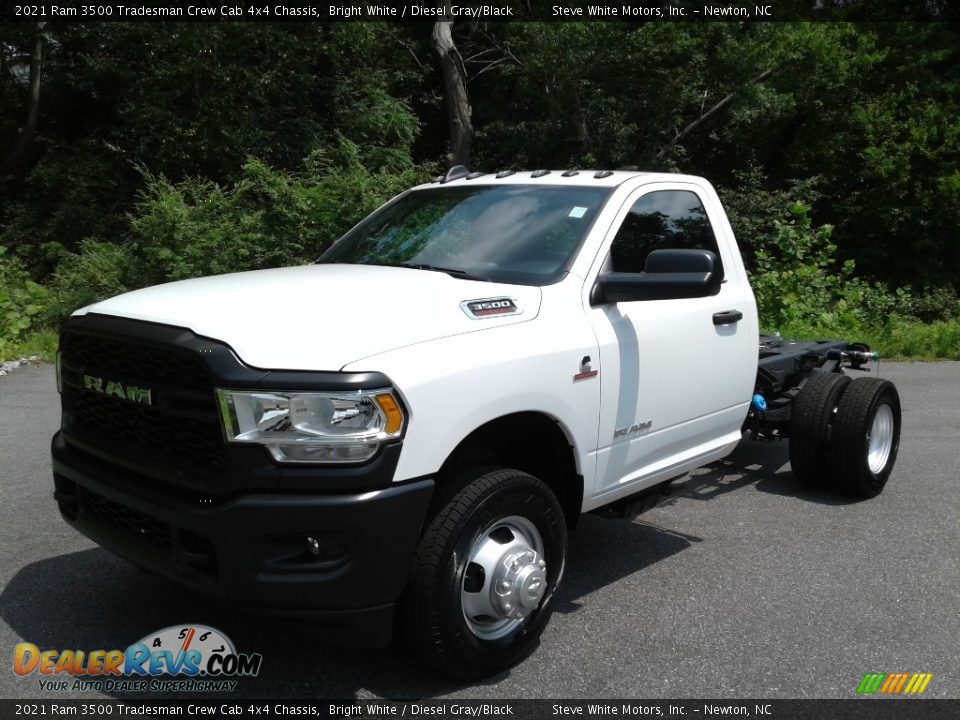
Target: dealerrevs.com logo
178 658
904 683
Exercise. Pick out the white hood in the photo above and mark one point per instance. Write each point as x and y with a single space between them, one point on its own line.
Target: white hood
320 317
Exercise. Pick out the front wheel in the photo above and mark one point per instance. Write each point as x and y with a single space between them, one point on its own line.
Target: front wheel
485 574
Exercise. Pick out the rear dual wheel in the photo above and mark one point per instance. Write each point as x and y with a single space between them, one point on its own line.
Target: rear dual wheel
812 419
844 434
866 436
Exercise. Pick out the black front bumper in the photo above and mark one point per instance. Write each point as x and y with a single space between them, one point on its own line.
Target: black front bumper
252 549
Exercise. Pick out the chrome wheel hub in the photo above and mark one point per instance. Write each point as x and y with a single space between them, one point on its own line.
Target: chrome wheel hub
880 439
505 577
519 585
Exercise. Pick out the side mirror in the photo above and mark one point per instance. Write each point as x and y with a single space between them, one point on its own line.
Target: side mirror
668 275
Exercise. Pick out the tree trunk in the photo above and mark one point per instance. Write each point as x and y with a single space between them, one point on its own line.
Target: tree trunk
704 117
33 101
583 132
455 87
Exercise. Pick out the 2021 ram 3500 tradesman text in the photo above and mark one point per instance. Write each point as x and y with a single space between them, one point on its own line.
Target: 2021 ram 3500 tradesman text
404 432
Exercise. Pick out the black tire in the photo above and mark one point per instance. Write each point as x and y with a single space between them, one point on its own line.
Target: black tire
859 472
811 418
432 618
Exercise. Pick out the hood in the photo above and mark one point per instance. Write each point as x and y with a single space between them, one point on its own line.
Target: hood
320 317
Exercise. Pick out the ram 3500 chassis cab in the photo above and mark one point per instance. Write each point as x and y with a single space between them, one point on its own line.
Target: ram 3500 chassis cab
404 432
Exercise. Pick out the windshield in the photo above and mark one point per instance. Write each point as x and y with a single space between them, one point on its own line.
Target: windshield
510 233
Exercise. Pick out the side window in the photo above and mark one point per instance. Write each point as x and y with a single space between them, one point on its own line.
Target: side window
662 219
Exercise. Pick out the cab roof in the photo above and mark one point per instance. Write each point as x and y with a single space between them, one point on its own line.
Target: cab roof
459 176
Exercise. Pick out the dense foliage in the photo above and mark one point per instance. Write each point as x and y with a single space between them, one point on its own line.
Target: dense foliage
21 302
165 151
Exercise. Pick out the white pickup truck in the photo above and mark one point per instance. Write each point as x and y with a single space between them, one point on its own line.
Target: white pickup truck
403 433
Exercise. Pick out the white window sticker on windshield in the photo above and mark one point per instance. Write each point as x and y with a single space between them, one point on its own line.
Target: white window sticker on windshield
578 212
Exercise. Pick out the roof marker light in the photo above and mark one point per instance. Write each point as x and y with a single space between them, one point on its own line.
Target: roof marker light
455 173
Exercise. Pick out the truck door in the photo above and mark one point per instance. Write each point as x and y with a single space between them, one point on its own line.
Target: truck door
676 375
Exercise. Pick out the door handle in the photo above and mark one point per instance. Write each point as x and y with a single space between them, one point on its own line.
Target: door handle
727 317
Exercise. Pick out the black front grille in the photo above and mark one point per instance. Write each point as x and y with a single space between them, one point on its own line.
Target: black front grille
143 433
125 359
179 430
134 525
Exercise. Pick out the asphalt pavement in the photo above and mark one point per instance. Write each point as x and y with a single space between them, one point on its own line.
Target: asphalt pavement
743 585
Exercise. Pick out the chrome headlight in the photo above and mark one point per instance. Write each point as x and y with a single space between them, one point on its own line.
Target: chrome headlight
312 427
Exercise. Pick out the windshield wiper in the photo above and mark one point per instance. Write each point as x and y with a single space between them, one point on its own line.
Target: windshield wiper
452 272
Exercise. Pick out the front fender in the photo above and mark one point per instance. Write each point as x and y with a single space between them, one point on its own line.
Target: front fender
454 385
